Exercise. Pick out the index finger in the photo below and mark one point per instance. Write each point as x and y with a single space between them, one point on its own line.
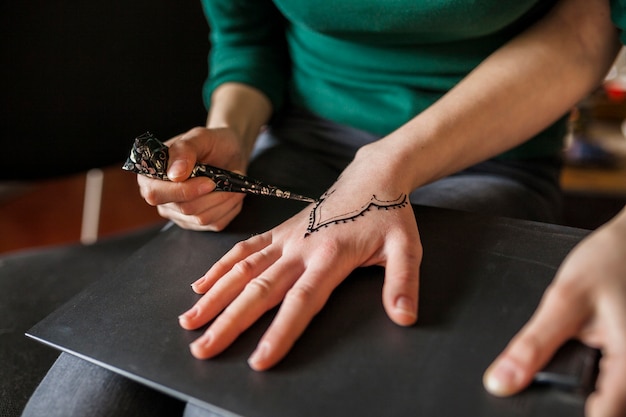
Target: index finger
157 192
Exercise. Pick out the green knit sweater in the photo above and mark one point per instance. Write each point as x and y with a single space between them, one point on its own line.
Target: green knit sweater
370 64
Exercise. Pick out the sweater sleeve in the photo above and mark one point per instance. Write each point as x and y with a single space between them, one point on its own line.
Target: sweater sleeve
618 15
248 45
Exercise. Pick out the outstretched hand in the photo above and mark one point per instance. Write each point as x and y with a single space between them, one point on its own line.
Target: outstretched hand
587 301
300 262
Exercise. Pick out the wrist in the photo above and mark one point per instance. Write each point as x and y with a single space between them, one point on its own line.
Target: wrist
414 153
389 164
240 108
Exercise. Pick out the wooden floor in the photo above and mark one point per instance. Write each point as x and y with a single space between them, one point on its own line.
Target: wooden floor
50 212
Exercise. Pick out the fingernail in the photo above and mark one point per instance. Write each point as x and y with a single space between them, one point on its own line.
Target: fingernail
259 354
503 378
197 346
188 315
198 282
206 187
406 306
178 169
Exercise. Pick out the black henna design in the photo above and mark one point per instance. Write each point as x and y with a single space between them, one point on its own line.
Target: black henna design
315 218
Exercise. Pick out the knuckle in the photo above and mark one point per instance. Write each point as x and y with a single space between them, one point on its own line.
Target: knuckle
304 295
527 349
261 285
405 279
412 250
416 254
245 267
186 193
150 195
564 293
195 131
243 246
204 220
300 294
186 209
328 249
222 265
207 224
218 227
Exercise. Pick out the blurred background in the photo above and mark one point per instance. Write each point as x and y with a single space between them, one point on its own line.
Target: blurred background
79 80
594 174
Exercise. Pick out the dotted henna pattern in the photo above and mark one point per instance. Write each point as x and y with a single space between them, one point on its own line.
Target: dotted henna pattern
316 222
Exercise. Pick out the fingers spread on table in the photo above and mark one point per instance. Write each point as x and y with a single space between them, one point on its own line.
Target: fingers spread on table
258 296
301 303
241 251
248 271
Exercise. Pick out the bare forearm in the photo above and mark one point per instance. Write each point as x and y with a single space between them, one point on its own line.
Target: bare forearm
514 94
619 223
241 108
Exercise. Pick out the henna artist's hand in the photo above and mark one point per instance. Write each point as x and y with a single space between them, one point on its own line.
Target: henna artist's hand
299 264
189 202
587 300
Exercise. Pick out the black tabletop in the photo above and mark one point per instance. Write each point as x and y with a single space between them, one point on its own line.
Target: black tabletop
481 279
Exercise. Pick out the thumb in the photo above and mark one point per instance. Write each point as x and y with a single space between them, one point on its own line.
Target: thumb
184 151
556 320
182 159
401 286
